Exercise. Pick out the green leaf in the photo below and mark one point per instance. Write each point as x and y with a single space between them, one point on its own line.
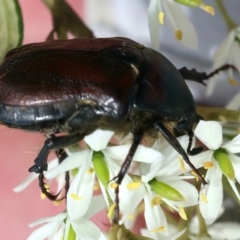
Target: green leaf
11 26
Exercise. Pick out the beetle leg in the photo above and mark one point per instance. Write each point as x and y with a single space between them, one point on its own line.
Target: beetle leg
195 150
62 155
193 75
50 144
177 146
137 138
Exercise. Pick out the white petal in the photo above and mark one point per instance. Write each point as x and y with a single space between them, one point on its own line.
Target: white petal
59 217
73 161
134 197
154 217
214 195
86 230
154 8
30 178
223 49
234 103
96 205
236 166
98 140
143 154
81 186
179 21
233 146
209 133
234 188
149 171
225 230
44 231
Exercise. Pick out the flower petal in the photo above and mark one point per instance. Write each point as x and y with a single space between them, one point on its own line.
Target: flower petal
214 195
98 140
209 133
154 8
233 146
73 161
80 192
180 22
86 230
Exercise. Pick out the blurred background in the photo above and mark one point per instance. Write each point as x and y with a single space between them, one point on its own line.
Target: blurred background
106 18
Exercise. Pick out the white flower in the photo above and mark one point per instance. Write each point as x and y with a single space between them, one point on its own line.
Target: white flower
58 227
228 52
166 171
60 179
217 231
180 25
211 196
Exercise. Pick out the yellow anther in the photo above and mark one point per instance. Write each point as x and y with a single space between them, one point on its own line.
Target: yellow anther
134 185
195 175
232 82
131 216
42 195
204 198
156 201
182 166
208 165
111 211
90 170
208 9
178 35
113 185
57 203
182 213
75 196
96 186
159 229
161 17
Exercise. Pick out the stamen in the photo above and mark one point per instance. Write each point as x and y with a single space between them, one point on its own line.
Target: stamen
90 170
111 210
161 17
182 213
156 201
195 175
134 185
75 196
208 9
182 166
178 35
159 229
113 185
232 82
204 198
208 165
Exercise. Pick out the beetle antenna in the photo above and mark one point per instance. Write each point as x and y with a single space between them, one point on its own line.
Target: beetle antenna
137 138
177 146
222 68
199 77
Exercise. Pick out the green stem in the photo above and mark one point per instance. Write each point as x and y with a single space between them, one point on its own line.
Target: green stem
228 20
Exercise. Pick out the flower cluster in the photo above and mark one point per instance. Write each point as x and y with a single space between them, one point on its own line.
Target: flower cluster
158 178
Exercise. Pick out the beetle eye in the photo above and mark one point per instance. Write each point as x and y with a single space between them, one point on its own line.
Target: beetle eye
183 126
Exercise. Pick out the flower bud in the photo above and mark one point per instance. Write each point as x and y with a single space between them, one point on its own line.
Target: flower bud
101 168
166 191
225 163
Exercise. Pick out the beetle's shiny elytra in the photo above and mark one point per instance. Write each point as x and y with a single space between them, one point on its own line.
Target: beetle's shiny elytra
76 86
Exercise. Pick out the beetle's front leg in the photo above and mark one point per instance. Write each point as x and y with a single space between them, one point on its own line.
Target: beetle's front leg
137 138
193 75
51 144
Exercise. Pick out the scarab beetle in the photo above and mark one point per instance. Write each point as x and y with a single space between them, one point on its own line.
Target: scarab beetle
79 85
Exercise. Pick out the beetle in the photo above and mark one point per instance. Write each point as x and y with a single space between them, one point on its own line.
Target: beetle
77 86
